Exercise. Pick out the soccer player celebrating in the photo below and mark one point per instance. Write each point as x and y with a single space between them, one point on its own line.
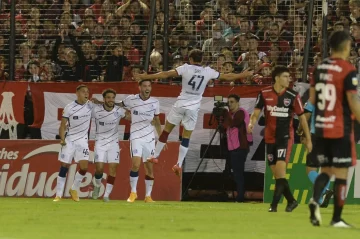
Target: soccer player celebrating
333 92
280 103
107 117
144 109
185 110
73 133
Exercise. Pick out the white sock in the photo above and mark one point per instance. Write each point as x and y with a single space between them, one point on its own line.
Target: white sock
98 182
133 183
60 184
182 153
158 148
78 179
108 190
149 185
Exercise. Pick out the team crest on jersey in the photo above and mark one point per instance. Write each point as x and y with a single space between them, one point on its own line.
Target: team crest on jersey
355 81
270 157
62 156
89 106
96 157
116 114
135 151
287 102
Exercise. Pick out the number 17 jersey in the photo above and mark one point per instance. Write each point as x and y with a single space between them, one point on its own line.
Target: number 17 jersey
194 81
332 79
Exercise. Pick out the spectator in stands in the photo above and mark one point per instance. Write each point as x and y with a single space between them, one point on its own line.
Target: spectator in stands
241 45
355 33
214 44
19 69
115 62
233 28
354 7
132 54
155 62
274 37
252 47
3 74
339 26
158 44
34 71
284 34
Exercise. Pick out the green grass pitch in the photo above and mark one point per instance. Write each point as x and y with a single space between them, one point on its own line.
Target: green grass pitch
43 219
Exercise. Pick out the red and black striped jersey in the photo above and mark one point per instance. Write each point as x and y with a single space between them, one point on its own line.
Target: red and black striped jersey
279 110
332 79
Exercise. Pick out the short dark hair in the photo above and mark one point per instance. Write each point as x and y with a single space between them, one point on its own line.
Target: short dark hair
196 55
278 70
140 82
337 40
80 87
236 97
109 90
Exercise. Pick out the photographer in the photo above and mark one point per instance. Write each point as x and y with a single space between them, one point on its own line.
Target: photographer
238 141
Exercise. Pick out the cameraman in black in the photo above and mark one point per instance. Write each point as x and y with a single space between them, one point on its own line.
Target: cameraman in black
238 141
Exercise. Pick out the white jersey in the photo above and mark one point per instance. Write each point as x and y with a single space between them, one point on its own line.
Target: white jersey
194 81
142 113
78 117
107 122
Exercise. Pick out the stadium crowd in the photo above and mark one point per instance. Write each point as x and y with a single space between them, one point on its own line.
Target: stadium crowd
94 40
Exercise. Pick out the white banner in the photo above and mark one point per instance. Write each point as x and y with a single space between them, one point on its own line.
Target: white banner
55 101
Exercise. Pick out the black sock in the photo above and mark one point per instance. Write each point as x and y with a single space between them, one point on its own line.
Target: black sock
319 186
339 198
279 189
287 192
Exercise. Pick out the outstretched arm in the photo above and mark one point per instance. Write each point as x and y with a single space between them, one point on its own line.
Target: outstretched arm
160 75
232 76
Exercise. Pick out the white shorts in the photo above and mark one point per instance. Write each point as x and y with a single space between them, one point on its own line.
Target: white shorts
187 117
107 154
78 150
143 149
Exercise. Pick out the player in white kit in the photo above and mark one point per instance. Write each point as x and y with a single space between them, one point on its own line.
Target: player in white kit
144 109
107 117
73 131
185 110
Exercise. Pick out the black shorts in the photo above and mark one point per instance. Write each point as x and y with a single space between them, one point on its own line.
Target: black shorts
311 160
338 153
278 151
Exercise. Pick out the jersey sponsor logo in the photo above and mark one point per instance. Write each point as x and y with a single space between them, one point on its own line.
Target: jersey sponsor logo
107 123
287 102
330 67
81 116
116 114
75 117
325 122
270 157
135 112
269 99
278 111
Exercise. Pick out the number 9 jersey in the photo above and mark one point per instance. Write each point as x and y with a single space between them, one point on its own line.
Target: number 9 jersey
331 80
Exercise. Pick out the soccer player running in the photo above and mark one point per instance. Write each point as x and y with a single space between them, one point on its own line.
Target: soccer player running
73 131
280 103
107 117
334 95
144 109
312 164
185 110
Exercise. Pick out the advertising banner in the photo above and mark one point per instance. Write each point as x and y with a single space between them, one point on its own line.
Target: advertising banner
29 168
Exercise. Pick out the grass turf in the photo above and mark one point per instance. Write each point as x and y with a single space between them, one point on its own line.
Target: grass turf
44 219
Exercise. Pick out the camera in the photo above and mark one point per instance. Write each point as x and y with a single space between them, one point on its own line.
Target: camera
219 106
